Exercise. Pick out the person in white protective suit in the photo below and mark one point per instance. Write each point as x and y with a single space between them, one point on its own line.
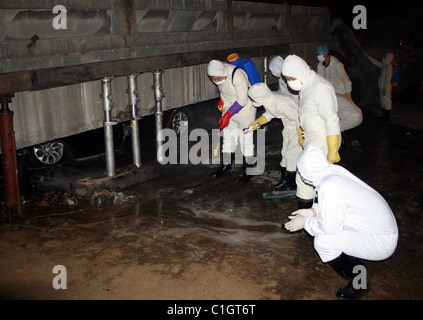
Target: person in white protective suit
284 107
330 68
350 222
349 114
318 116
384 82
237 113
275 67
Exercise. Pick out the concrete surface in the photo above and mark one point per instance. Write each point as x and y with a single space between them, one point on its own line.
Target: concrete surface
183 236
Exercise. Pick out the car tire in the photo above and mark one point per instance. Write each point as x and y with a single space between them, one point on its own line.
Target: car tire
47 154
178 115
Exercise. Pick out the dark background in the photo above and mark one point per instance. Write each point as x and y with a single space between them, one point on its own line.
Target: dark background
388 22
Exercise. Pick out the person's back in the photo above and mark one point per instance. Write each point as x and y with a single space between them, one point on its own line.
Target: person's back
283 106
350 115
349 203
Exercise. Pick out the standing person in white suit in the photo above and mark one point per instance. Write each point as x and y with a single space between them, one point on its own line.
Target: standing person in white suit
351 221
284 107
384 82
350 115
237 113
330 68
318 116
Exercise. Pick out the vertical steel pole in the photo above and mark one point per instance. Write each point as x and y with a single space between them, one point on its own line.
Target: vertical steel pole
158 95
107 99
135 134
265 69
8 153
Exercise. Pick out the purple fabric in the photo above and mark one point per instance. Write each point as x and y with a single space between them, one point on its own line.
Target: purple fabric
235 108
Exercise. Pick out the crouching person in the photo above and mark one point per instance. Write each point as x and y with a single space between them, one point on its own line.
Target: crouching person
350 222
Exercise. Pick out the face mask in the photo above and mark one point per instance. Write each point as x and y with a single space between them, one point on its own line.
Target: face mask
220 82
321 57
255 104
295 85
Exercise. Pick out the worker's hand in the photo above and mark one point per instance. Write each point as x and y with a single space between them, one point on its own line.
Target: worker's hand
384 92
348 95
296 223
333 144
305 213
224 120
258 123
300 136
220 104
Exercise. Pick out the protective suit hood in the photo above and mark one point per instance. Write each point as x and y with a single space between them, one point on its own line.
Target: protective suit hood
275 66
294 66
216 68
313 165
260 92
389 57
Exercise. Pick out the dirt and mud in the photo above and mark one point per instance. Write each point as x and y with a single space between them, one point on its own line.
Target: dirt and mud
184 236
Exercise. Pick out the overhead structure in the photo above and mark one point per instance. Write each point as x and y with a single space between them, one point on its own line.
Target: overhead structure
122 37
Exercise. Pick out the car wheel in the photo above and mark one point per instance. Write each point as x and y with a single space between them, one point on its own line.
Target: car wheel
176 120
47 154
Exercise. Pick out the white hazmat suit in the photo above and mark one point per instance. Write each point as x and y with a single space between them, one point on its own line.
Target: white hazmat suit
352 217
284 107
231 91
317 112
335 73
385 78
275 67
350 115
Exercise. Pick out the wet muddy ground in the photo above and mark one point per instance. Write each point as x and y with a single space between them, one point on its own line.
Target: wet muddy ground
184 236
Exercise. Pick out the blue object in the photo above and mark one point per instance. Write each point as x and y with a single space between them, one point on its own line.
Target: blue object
247 65
383 92
395 75
322 50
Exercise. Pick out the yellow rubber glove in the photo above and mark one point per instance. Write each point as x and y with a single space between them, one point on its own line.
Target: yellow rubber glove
333 144
300 136
348 95
220 104
256 124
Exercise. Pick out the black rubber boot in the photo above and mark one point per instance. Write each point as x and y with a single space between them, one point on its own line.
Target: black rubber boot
305 204
245 178
226 167
344 266
287 182
283 180
386 115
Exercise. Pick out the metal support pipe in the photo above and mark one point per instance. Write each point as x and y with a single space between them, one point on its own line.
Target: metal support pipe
107 99
8 152
265 69
135 134
158 95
